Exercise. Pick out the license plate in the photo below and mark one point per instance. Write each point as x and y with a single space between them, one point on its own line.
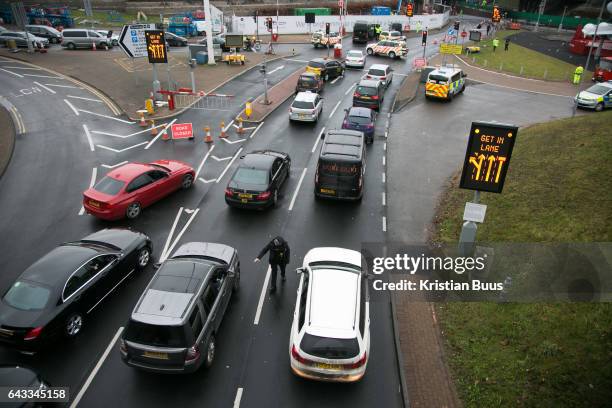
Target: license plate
328 191
94 203
244 200
365 97
153 354
247 196
325 366
302 116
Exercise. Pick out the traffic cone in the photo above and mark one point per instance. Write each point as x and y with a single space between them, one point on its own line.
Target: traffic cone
142 123
154 131
208 138
240 127
222 135
165 136
93 46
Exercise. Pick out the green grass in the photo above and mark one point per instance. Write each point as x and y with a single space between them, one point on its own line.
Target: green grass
103 18
534 64
558 189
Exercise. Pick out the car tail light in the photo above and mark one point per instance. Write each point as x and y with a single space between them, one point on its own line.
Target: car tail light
229 192
317 176
368 77
298 357
193 353
369 126
264 196
360 363
356 94
383 78
122 346
33 334
375 97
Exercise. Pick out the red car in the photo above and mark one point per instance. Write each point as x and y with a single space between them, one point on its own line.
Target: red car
126 190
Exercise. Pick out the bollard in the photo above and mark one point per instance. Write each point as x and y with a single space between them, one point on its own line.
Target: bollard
240 126
222 135
207 136
171 102
545 72
153 128
93 46
473 60
248 110
142 120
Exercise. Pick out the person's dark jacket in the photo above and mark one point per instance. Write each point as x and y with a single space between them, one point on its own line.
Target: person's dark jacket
279 254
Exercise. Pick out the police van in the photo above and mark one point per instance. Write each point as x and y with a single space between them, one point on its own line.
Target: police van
445 83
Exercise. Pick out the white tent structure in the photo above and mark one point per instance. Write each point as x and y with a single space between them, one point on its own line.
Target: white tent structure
604 29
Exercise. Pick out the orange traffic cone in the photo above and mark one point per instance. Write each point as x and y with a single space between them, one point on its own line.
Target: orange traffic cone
93 46
240 127
222 135
165 136
208 138
154 131
142 123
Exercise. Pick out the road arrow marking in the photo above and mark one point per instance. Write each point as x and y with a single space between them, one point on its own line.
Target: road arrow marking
108 166
233 142
220 159
276 69
121 150
206 181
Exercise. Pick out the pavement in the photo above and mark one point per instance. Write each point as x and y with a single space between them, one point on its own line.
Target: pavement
7 138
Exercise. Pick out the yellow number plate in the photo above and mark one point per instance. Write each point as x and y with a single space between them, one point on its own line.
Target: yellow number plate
365 97
328 191
95 204
328 366
153 354
247 196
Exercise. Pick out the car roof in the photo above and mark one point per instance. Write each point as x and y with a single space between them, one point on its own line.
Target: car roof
379 66
318 60
343 144
308 74
445 71
369 82
306 96
129 171
260 159
360 111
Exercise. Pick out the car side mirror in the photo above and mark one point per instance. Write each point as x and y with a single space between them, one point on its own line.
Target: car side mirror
299 271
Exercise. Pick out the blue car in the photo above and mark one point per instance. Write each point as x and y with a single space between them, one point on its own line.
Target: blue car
361 119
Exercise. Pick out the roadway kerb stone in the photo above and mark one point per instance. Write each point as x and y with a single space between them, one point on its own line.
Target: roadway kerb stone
407 92
7 139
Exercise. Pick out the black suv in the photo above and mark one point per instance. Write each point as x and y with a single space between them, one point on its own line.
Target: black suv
174 325
326 68
369 94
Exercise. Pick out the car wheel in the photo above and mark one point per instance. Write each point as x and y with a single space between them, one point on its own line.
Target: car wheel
144 257
74 325
210 351
392 55
103 44
71 46
370 51
599 107
462 89
133 211
187 181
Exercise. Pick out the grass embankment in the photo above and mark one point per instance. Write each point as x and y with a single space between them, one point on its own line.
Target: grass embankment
534 64
558 189
103 18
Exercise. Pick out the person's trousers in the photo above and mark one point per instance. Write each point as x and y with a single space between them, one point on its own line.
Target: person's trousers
274 268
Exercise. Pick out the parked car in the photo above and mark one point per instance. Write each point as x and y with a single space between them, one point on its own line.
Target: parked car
361 119
257 180
2 29
391 35
175 324
369 93
109 34
309 81
381 72
174 40
126 190
43 31
355 59
597 97
55 296
306 107
330 333
326 69
21 39
73 38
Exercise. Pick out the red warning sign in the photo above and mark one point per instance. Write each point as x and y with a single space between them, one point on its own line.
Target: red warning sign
182 131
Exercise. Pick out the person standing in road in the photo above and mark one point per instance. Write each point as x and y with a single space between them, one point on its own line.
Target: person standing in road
378 30
506 43
279 257
495 44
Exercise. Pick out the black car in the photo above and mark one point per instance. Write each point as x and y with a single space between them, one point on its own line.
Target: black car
369 94
174 40
257 179
309 81
20 377
326 68
55 295
360 32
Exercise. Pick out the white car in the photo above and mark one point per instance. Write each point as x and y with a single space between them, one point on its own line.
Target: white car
597 97
382 72
330 334
306 107
114 37
355 59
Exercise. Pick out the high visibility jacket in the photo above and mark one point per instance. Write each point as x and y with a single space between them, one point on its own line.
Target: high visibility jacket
496 42
579 70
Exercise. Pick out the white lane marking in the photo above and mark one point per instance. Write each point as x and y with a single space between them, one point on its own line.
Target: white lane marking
159 135
43 76
110 291
106 116
228 165
317 141
256 129
238 398
276 69
297 189
45 88
94 175
108 166
203 180
64 86
335 108
262 296
178 215
204 160
229 125
384 160
180 234
384 199
221 158
383 178
521 89
232 141
89 139
386 134
85 99
384 224
89 380
32 68
76 112
350 88
295 60
120 150
335 80
12 73
98 132
385 146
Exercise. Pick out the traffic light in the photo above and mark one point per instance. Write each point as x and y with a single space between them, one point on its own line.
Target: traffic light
269 23
424 40
409 9
456 26
255 15
496 17
327 26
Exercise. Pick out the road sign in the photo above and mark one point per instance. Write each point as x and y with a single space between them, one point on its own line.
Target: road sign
496 17
487 156
451 31
156 47
450 49
475 35
182 131
132 39
474 212
463 34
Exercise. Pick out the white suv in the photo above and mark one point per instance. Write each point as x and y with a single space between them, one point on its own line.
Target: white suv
330 334
306 107
382 72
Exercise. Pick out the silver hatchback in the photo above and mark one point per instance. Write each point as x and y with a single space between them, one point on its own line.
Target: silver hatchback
306 107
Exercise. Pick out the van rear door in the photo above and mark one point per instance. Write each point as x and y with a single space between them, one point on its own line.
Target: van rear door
339 179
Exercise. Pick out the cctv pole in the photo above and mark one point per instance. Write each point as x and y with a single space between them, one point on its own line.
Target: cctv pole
156 83
467 239
586 67
209 40
265 73
562 18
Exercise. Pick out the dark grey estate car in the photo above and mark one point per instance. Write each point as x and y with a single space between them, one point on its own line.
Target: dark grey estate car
174 325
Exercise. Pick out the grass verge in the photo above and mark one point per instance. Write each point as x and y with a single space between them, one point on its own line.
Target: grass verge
534 64
559 189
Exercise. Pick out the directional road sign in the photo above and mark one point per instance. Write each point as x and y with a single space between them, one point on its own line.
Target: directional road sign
132 39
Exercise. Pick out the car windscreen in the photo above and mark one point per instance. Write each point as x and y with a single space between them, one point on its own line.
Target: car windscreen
376 72
247 175
366 90
358 120
395 34
338 173
316 64
599 89
155 335
26 295
331 348
109 185
438 79
302 105
355 54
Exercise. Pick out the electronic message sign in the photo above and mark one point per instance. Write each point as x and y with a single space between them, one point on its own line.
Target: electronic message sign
156 47
487 156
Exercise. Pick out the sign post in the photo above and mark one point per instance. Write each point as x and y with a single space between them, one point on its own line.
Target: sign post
133 42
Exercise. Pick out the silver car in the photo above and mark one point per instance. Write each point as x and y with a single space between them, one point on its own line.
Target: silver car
21 39
381 72
82 38
306 107
355 59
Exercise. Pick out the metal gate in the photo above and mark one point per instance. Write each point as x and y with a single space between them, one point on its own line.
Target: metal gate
204 102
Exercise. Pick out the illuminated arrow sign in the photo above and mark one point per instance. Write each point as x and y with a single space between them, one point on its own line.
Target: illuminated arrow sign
156 47
132 39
